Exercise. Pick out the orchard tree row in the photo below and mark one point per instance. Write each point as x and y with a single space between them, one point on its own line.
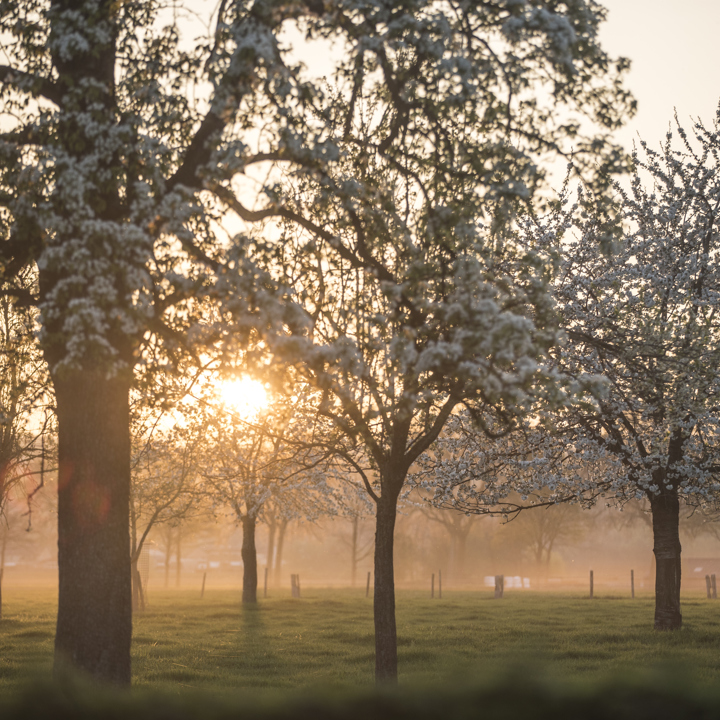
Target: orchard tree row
177 196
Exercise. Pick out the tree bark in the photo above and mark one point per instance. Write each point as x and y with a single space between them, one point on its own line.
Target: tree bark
665 508
384 599
249 557
94 624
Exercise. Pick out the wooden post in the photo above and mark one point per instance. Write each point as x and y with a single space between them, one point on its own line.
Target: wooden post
708 587
266 578
713 584
432 585
367 587
592 583
202 589
499 586
295 586
1 581
439 584
632 583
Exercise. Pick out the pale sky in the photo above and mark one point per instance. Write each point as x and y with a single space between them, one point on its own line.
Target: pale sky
674 46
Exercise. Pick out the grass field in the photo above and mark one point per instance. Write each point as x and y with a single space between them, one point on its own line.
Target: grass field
325 640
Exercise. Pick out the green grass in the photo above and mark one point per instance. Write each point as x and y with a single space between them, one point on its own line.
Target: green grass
325 640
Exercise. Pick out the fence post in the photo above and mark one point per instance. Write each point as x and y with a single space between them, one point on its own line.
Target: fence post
432 585
592 584
708 587
499 586
440 584
367 587
266 579
632 583
295 585
202 589
713 584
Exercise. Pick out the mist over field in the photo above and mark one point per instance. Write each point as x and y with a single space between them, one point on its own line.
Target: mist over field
545 549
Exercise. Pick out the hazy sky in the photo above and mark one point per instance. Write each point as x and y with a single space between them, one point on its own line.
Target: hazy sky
675 53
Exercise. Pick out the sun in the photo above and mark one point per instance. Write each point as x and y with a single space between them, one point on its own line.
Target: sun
245 396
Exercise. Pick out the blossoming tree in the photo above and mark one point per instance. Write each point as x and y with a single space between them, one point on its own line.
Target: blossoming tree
645 318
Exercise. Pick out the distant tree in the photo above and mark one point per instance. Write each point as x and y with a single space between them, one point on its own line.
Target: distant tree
27 419
26 403
458 526
267 461
165 488
644 317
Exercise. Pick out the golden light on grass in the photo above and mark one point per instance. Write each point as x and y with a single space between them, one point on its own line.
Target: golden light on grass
245 396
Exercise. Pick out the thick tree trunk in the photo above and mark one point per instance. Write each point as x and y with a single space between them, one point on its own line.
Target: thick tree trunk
384 600
94 624
666 535
249 557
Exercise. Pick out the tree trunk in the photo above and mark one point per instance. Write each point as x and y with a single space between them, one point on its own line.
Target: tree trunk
94 624
249 557
279 553
384 599
666 535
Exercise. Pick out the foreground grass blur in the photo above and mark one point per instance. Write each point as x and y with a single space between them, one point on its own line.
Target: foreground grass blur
324 640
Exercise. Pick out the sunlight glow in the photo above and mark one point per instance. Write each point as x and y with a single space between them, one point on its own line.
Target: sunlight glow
246 397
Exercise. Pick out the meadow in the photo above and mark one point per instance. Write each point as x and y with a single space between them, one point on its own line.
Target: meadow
324 641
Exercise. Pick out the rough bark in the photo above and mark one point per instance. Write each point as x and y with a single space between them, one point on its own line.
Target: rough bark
665 508
94 624
384 599
249 557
